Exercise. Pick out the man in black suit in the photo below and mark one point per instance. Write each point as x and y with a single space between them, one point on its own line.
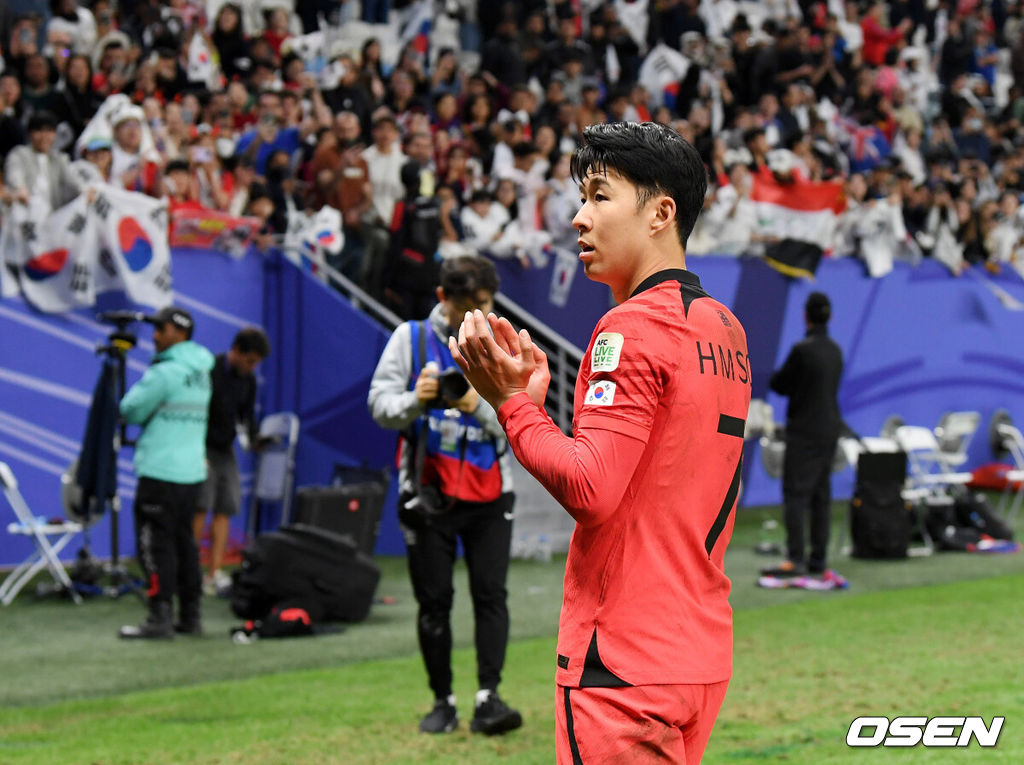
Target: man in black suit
810 378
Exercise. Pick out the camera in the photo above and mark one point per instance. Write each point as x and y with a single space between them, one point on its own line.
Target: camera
416 508
451 385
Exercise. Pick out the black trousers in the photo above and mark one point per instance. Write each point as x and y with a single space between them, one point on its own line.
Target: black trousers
164 542
807 493
486 534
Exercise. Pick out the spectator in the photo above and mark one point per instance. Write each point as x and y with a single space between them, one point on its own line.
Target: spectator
231 43
350 95
38 93
384 160
12 133
78 101
269 135
488 229
411 276
732 219
136 169
352 192
877 38
94 166
39 170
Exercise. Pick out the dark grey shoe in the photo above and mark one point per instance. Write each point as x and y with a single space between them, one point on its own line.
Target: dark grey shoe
156 626
493 716
189 628
443 718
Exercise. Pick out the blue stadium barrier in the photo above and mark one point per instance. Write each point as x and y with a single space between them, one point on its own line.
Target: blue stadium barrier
917 343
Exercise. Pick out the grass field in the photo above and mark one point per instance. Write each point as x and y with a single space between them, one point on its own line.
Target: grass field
926 636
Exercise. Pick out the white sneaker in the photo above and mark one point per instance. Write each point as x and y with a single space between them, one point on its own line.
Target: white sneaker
221 583
209 588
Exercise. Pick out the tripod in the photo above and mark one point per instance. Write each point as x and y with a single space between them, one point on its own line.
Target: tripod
97 469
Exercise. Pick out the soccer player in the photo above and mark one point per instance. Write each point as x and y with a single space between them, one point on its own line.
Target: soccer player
652 470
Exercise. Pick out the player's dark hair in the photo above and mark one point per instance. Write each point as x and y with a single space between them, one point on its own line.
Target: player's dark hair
463 277
252 339
654 158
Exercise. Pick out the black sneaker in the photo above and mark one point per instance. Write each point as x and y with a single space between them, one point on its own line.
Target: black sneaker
493 716
149 629
443 718
785 570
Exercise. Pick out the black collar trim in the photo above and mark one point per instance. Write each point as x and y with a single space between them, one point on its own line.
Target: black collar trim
686 278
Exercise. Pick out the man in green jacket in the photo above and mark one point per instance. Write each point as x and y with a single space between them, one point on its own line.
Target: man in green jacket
170 402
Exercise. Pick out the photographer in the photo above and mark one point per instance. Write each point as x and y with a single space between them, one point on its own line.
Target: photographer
455 484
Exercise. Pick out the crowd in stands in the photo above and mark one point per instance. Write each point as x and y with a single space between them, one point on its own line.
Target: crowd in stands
444 126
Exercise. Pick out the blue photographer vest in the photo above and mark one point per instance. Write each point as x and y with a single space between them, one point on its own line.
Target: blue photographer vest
460 458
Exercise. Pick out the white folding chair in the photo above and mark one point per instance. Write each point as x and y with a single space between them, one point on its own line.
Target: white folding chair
275 467
954 433
40 530
930 471
1011 500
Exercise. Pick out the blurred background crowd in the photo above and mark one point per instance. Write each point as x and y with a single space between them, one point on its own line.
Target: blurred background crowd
436 127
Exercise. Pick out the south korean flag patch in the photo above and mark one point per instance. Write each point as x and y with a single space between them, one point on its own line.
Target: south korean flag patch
600 393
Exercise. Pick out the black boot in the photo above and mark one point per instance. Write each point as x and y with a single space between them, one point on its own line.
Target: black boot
188 619
156 626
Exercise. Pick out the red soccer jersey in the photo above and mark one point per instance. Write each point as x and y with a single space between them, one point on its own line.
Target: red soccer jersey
660 402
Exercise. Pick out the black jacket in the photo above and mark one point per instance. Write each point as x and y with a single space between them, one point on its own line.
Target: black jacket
232 402
810 378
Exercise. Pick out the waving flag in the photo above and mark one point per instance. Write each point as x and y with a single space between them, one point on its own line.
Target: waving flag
865 145
416 30
802 216
135 255
202 65
661 72
57 275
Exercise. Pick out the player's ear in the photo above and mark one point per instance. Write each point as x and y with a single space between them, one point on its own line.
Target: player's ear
440 294
663 213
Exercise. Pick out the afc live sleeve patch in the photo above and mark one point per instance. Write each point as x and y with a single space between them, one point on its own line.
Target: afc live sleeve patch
605 355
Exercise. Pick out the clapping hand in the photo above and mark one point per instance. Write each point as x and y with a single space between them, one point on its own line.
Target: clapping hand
502 365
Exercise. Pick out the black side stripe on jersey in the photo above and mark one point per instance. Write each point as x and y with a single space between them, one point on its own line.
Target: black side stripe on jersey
570 730
727 505
595 673
730 426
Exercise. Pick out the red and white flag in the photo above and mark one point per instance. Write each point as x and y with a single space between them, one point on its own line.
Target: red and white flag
805 211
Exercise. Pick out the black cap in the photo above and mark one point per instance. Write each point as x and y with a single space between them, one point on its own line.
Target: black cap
818 308
179 317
